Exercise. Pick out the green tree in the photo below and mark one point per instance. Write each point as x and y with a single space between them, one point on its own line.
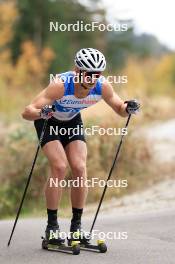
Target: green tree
33 24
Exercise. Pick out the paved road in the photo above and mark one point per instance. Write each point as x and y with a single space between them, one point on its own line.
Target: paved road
162 140
151 240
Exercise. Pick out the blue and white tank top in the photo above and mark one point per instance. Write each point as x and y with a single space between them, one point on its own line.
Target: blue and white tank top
69 106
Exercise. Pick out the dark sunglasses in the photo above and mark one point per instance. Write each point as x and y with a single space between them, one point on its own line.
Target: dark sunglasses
93 74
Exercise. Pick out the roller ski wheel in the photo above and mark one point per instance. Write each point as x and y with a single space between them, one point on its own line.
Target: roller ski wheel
75 245
74 242
44 244
102 246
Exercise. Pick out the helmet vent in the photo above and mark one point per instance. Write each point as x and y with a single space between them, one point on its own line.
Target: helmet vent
100 64
79 63
91 63
93 56
84 64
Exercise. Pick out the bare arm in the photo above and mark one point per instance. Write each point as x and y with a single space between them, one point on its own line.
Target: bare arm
51 93
113 100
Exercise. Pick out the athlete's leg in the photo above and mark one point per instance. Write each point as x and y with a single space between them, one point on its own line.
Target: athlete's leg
55 153
76 152
56 156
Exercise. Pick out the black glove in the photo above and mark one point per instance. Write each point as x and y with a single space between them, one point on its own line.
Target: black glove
133 106
47 111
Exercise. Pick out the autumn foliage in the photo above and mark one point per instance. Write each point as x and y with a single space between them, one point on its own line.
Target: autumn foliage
32 65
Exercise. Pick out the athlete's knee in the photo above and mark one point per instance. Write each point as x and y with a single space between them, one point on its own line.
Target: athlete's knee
59 169
79 169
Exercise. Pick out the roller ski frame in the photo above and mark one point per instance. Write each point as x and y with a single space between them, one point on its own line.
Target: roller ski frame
85 244
101 247
73 248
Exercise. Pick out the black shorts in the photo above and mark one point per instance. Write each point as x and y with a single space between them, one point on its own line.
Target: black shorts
64 131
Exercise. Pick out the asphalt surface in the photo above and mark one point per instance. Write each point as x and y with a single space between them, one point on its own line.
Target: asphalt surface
150 240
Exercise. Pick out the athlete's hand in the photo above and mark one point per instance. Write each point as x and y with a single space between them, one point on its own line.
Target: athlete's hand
133 106
47 111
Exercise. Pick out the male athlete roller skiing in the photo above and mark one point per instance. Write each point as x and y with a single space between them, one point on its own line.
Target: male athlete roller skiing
68 99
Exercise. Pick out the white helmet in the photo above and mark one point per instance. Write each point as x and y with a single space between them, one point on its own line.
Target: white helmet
89 59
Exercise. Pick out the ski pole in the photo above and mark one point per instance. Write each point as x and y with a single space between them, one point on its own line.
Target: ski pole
28 180
109 176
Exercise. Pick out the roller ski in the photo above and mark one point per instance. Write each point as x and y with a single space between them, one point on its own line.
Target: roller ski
53 242
77 234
